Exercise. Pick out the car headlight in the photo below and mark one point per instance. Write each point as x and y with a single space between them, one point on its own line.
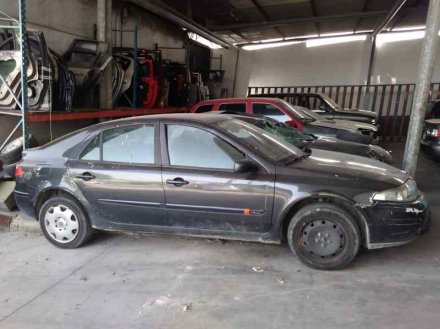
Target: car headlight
373 121
403 193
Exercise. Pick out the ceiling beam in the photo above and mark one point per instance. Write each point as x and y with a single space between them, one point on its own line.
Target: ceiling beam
389 17
358 22
289 21
314 13
160 9
266 16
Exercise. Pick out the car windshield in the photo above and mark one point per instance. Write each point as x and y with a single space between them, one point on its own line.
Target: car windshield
330 102
263 142
302 113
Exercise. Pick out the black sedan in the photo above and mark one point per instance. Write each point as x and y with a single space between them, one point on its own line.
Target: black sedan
215 176
430 142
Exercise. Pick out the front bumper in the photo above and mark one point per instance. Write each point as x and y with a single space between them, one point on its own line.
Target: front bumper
395 223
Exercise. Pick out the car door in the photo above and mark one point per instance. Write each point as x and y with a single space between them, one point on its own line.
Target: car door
201 188
119 174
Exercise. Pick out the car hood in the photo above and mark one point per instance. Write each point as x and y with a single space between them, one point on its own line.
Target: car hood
359 111
353 168
352 126
356 125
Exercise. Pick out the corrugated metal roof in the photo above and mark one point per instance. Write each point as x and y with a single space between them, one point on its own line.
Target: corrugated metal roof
239 21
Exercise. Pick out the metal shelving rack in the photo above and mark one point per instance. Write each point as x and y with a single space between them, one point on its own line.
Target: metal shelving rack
21 102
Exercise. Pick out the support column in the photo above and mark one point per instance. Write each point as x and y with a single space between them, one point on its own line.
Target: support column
421 93
366 102
24 65
104 26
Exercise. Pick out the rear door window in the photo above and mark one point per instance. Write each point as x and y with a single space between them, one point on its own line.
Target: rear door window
129 144
233 107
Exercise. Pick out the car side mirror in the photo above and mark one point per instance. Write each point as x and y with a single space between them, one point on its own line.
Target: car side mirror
245 166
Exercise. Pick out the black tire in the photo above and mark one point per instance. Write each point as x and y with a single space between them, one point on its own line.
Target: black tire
11 153
324 236
84 230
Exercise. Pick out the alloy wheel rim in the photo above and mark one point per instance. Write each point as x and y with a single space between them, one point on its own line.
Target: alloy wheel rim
322 239
61 223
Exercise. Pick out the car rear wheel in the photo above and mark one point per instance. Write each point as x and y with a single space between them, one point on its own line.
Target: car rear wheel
324 236
64 223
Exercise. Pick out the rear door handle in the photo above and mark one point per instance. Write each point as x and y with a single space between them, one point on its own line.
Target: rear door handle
86 176
178 181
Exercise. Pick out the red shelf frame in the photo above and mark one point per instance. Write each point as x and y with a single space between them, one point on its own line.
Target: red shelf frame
84 114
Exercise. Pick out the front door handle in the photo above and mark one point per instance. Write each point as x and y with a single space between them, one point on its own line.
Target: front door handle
178 181
86 176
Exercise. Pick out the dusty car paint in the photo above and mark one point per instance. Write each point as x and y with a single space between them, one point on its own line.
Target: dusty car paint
247 206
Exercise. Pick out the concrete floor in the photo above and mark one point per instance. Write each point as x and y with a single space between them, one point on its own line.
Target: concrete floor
132 281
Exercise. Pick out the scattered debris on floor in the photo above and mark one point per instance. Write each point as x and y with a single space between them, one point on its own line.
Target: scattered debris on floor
83 277
280 281
187 307
257 269
167 302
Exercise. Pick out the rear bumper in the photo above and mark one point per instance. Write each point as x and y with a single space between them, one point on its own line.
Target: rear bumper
25 202
393 223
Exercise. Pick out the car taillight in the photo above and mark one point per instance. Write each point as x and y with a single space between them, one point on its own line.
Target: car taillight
433 132
18 171
1 164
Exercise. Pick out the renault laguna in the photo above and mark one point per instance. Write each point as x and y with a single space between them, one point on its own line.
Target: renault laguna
213 175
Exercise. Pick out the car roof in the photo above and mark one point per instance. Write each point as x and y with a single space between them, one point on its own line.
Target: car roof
184 117
240 99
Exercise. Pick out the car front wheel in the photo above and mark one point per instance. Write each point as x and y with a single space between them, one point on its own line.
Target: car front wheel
64 223
324 236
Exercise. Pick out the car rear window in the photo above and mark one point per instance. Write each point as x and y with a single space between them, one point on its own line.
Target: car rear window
233 107
204 108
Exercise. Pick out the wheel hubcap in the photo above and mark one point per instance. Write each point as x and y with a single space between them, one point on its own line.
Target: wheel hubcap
322 238
61 223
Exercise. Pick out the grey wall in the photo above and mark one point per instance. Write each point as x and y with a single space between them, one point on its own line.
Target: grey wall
342 64
63 20
244 68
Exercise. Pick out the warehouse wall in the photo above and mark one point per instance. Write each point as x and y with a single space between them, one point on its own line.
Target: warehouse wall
346 63
244 68
63 20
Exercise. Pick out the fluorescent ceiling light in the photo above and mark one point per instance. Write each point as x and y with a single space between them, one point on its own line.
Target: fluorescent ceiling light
203 41
272 40
334 34
400 36
330 41
270 45
307 36
409 28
